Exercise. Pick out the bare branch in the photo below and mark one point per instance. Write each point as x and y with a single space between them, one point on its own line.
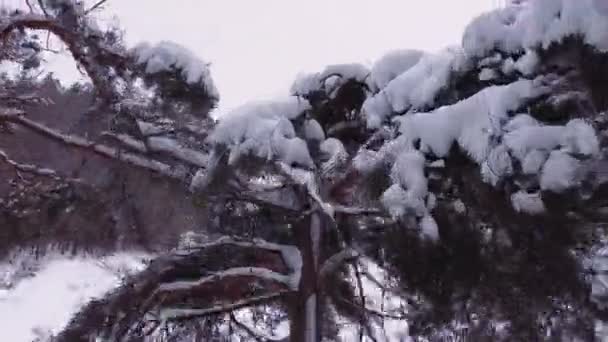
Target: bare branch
42 8
173 314
249 330
363 321
253 332
94 7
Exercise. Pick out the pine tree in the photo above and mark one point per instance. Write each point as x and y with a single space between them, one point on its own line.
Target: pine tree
451 196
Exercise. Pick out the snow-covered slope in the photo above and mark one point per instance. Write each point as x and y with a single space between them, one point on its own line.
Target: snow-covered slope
40 305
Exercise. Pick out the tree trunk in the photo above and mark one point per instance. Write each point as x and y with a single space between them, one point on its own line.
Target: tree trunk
304 308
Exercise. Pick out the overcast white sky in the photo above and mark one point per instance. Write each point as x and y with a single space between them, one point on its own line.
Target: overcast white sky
257 47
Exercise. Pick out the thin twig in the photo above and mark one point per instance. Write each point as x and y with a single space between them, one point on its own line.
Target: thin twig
42 8
246 328
94 7
29 5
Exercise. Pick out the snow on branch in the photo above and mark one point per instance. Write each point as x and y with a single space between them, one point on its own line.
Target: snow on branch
167 56
175 314
307 179
290 254
532 24
174 149
258 272
103 150
263 129
128 141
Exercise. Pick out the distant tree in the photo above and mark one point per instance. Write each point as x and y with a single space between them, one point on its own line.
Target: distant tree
473 179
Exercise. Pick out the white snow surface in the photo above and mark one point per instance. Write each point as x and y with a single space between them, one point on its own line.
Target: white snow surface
417 87
471 122
429 228
313 130
487 74
530 203
41 305
527 63
393 64
559 172
538 23
264 129
165 56
530 143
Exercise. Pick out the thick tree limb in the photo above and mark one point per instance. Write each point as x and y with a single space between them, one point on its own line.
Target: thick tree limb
258 272
176 314
128 141
172 148
163 145
103 150
290 254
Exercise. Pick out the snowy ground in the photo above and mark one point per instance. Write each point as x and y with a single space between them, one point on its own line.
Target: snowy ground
36 306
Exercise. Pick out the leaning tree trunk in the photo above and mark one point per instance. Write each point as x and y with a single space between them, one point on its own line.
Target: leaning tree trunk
304 305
